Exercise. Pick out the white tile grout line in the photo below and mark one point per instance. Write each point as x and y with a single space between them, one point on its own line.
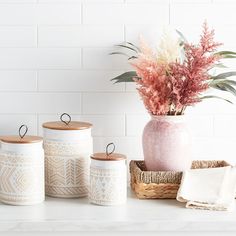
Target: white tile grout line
126 125
37 45
37 117
169 9
37 82
63 69
77 114
81 103
213 125
82 13
125 38
68 92
124 32
82 59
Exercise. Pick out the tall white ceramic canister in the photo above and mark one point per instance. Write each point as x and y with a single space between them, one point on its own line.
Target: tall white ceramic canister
67 147
108 178
22 169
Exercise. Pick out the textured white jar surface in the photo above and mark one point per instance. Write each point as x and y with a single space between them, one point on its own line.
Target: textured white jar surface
22 173
108 182
67 160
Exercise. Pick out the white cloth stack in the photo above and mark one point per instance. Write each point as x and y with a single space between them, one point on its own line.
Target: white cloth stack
210 189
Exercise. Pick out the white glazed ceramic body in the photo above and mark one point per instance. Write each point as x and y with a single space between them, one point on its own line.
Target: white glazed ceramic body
67 160
22 173
167 144
108 182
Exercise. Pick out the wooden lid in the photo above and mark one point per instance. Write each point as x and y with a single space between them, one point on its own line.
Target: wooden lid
101 156
67 124
18 139
21 138
73 125
108 155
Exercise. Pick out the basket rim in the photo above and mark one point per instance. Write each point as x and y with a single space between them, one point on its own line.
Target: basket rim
167 177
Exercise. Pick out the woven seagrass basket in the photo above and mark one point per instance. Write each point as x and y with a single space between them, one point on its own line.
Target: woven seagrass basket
161 184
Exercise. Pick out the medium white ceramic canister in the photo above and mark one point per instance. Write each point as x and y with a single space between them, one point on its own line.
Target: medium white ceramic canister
67 147
22 169
108 178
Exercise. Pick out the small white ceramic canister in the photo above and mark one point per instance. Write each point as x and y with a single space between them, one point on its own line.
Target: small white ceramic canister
108 178
67 147
22 169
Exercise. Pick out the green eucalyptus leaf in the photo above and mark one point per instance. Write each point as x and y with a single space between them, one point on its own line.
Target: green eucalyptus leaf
133 57
181 36
119 53
225 53
229 88
127 47
220 65
134 46
217 86
227 81
224 75
125 77
181 44
229 56
231 82
213 96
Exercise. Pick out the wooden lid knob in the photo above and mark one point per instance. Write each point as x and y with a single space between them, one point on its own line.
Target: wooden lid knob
108 155
67 124
21 138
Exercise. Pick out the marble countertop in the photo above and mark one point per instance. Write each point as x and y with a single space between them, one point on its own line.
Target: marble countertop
74 215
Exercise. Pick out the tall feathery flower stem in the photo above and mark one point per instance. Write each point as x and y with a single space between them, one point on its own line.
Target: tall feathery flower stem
176 75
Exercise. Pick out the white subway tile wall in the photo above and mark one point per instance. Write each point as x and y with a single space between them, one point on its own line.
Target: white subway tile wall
54 58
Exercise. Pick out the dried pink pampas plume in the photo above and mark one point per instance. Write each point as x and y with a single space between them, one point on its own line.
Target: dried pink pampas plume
169 88
176 74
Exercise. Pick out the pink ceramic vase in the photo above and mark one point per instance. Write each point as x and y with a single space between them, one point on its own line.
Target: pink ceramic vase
167 144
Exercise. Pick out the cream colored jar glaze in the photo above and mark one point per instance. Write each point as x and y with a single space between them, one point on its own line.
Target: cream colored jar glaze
108 182
67 160
22 173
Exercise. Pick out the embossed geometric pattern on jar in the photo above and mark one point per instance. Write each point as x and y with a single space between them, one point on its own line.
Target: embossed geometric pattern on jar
67 147
108 179
21 171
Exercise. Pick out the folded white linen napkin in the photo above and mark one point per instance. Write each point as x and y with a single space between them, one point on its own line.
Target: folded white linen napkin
212 189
